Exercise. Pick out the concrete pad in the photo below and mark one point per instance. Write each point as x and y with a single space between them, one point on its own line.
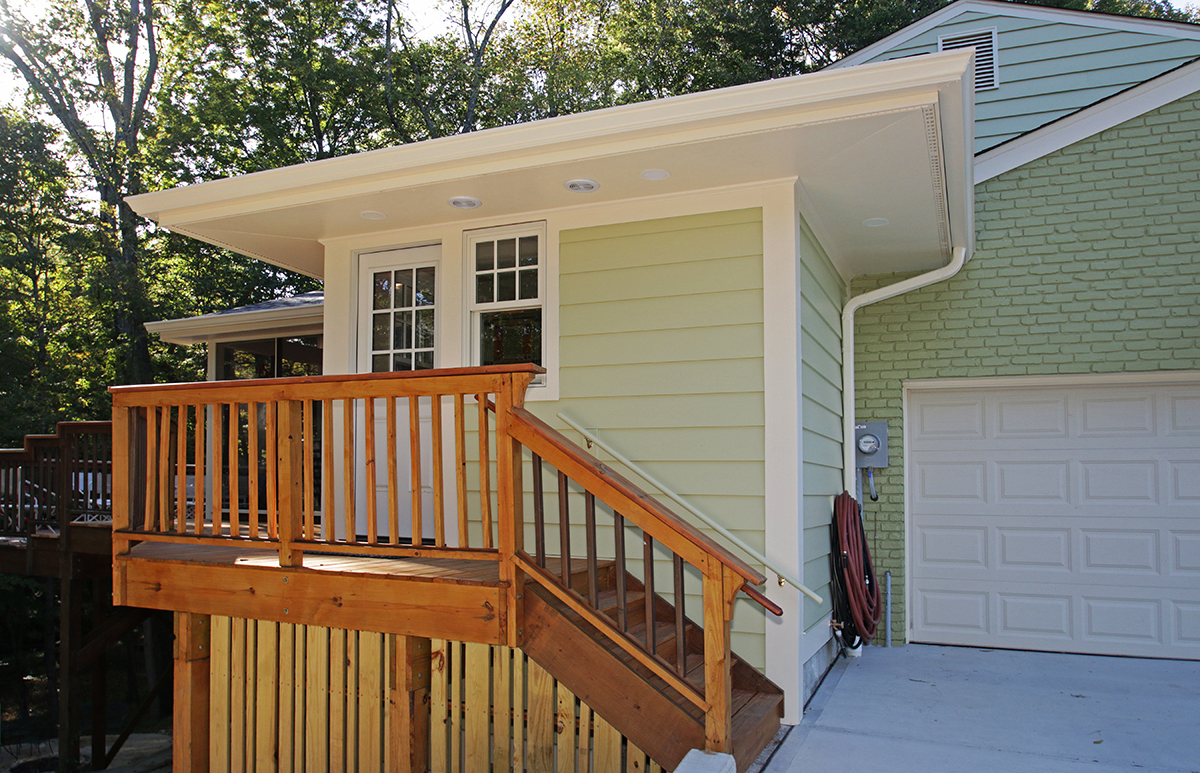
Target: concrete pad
928 708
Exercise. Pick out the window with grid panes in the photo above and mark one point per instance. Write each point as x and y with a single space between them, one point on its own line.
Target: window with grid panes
403 306
507 267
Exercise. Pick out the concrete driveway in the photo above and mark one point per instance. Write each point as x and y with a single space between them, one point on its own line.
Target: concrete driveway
933 709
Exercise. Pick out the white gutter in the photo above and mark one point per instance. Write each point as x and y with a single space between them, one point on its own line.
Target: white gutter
784 576
957 261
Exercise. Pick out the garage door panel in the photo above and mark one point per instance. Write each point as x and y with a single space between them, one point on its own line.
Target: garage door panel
1057 518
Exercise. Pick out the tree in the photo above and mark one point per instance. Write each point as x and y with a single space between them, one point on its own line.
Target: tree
89 63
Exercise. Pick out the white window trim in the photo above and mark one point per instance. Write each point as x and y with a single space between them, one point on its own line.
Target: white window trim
473 310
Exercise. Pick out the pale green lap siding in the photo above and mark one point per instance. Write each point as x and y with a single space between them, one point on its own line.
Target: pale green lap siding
1087 261
1048 70
661 350
822 295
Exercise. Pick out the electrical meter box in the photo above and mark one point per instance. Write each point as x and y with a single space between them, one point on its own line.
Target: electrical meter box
871 444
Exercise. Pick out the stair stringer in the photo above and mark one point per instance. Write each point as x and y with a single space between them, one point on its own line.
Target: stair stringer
640 711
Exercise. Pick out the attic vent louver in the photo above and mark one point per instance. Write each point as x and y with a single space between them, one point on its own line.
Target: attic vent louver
987 66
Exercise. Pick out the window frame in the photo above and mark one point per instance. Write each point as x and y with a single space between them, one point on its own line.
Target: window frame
475 310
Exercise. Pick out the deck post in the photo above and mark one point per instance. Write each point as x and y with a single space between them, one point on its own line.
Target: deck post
510 492
191 692
291 482
718 608
408 703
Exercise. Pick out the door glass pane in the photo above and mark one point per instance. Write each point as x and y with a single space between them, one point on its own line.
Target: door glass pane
425 286
424 329
403 331
404 288
424 361
379 363
381 290
402 361
379 331
506 253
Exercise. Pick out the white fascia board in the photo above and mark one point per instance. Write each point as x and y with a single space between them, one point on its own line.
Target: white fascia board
694 117
1088 122
1038 13
195 330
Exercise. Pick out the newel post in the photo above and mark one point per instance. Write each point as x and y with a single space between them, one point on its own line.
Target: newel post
291 482
124 472
510 491
720 588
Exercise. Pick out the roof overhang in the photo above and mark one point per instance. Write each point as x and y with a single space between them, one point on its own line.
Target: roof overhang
238 324
889 141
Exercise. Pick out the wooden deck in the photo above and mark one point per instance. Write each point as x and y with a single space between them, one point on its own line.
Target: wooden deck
387 595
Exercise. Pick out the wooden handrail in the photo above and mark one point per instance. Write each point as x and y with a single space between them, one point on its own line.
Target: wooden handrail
651 516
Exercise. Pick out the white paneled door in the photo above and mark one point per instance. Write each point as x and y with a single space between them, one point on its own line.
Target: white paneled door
1062 518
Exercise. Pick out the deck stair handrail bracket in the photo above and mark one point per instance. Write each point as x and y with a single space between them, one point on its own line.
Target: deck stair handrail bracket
783 574
344 468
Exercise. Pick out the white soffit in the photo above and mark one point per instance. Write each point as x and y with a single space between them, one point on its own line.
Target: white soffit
880 141
1090 121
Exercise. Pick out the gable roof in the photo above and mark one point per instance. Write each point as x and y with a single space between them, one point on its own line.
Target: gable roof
1051 61
1127 105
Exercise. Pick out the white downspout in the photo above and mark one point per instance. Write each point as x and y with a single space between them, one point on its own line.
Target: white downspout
957 260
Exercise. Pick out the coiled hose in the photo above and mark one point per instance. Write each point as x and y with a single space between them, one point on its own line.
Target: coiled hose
856 598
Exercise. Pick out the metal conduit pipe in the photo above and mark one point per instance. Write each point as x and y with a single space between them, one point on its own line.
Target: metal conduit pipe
957 260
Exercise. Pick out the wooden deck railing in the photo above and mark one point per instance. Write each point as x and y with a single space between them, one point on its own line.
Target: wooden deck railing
426 464
57 479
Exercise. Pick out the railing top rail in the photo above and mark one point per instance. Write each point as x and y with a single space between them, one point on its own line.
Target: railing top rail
404 382
563 445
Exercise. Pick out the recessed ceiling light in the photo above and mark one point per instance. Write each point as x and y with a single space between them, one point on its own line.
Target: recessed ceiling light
581 185
876 222
371 214
655 174
464 202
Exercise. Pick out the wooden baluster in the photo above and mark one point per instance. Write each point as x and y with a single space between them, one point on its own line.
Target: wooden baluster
150 517
392 483
439 494
648 574
235 472
589 515
564 531
310 483
180 472
680 638
218 527
198 479
414 442
460 471
539 513
619 561
164 470
329 487
485 478
272 454
348 468
369 467
252 471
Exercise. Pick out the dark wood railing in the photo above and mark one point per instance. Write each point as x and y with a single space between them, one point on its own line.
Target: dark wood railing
317 440
57 479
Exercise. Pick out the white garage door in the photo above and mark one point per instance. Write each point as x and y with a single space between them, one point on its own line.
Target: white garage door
1063 518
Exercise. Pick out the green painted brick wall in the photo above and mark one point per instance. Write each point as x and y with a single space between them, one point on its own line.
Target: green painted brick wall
1087 261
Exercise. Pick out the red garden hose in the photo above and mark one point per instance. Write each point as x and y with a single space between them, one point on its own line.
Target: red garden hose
854 571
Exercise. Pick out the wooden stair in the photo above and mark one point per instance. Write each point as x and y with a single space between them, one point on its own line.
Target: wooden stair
637 702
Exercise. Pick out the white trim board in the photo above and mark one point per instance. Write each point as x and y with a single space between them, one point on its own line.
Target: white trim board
1090 121
1155 377
995 8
